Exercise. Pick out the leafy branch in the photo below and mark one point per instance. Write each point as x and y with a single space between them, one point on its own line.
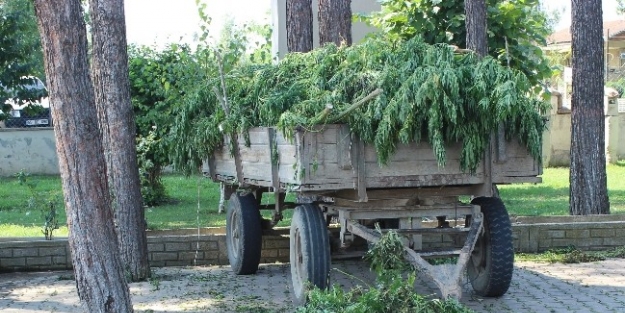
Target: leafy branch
413 91
393 290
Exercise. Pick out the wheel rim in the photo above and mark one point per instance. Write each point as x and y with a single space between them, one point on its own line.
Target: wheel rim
234 235
478 256
299 264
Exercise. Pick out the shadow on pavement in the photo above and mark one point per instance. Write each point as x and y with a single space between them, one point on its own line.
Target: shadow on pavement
536 287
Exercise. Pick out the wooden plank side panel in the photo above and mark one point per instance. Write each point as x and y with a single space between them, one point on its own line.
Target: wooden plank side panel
255 154
518 165
256 159
424 180
257 170
396 182
257 136
415 165
325 134
322 157
287 162
404 152
224 163
324 160
327 185
416 159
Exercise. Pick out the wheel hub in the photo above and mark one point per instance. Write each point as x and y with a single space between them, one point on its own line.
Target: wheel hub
234 242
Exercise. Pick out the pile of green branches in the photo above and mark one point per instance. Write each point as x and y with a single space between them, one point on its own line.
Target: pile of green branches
429 93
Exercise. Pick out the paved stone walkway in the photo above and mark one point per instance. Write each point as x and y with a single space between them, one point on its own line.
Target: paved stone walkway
536 287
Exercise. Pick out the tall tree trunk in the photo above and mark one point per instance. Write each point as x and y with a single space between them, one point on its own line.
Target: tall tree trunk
589 191
112 97
97 265
335 21
477 39
299 25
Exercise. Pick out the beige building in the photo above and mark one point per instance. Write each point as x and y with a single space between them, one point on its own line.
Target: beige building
557 139
613 31
278 20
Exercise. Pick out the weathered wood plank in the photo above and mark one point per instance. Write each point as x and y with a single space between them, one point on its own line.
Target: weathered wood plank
424 181
403 152
326 160
361 171
343 148
324 133
518 163
408 193
517 179
225 168
416 167
258 136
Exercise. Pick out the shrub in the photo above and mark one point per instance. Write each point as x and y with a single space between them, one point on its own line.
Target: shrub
150 169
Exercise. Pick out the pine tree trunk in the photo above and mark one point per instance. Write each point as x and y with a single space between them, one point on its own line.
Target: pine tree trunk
299 25
589 192
112 97
477 40
92 240
335 21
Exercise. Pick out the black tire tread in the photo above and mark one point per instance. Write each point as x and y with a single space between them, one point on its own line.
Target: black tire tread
315 243
251 234
497 223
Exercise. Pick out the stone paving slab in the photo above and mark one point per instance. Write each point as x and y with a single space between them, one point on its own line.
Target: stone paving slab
536 287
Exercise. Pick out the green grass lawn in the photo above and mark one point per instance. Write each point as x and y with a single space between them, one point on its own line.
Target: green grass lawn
551 197
194 200
181 211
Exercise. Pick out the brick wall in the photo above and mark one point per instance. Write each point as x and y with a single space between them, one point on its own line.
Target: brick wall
34 255
180 248
584 235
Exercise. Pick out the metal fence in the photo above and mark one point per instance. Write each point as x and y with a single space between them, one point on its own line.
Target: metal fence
22 119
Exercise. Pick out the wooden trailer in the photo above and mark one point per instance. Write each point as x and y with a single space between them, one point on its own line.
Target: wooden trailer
337 177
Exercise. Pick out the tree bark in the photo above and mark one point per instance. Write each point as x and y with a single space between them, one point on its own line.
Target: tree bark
477 40
299 25
117 124
93 244
335 21
588 179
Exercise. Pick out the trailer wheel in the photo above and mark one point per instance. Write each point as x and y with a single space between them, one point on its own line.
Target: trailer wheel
243 234
309 251
491 264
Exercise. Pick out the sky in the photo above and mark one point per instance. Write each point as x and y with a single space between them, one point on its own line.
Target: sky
564 6
156 22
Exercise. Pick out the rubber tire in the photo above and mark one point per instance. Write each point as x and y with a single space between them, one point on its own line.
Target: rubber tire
309 251
491 264
243 234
